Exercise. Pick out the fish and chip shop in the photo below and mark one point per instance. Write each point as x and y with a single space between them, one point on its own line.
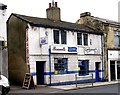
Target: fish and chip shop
57 64
53 51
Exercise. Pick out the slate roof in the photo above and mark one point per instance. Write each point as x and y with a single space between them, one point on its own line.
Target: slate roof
45 22
106 21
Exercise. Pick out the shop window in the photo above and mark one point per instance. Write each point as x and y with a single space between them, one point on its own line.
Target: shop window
60 65
83 67
60 37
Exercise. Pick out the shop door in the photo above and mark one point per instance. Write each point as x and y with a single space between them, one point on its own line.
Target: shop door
118 70
40 72
112 70
97 71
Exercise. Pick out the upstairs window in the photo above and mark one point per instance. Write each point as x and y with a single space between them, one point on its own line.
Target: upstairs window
82 39
117 39
85 39
56 36
60 37
63 37
79 38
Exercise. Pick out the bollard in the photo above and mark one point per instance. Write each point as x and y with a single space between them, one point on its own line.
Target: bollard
92 79
76 79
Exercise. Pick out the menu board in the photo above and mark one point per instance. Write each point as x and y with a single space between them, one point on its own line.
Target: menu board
27 80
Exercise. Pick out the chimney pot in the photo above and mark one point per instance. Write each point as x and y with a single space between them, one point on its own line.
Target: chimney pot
49 5
85 14
55 4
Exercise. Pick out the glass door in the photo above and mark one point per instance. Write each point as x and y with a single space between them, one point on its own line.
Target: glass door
112 70
118 69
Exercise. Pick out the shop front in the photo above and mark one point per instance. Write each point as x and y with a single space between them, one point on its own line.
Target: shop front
113 65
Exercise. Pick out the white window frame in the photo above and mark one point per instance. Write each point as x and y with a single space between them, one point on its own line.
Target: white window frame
60 36
83 39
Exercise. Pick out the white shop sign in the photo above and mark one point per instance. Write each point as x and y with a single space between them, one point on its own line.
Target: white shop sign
63 49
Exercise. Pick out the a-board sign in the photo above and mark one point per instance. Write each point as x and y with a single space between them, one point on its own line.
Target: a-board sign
28 80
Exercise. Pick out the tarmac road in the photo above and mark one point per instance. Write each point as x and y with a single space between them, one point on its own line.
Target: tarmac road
113 88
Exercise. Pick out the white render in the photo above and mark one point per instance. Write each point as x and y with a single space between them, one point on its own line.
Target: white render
3 18
3 38
40 52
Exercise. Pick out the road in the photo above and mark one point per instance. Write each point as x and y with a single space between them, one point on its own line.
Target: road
100 89
111 89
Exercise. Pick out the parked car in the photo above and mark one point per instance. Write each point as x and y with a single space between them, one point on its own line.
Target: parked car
4 84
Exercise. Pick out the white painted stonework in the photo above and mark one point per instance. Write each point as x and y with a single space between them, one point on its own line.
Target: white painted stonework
39 51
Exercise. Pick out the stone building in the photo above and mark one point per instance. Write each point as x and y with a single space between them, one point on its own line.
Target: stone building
111 31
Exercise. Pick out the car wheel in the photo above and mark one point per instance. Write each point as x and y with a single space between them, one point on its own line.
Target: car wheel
3 91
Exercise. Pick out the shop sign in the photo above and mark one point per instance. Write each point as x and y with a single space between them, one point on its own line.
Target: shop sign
91 51
72 49
63 49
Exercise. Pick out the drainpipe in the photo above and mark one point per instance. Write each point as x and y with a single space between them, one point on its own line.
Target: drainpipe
50 63
1 64
102 47
1 57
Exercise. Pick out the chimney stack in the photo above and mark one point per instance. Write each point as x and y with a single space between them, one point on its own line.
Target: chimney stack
53 12
85 14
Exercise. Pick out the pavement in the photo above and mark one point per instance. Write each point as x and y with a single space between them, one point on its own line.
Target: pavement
38 89
86 85
45 88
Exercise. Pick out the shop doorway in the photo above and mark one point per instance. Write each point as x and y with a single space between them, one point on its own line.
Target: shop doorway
40 72
118 69
97 71
112 70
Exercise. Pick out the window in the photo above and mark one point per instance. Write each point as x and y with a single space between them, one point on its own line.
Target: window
63 37
90 41
79 38
60 65
117 39
60 37
82 39
83 67
85 38
56 36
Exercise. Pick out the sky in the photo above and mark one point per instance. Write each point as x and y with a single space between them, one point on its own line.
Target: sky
70 9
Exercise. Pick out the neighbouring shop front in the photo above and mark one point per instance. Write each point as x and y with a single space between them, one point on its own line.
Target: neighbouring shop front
113 65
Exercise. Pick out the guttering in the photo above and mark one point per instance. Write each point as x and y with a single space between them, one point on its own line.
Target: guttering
68 29
102 47
49 50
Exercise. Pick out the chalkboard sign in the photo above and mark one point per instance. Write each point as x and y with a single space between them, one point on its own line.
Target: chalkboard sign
28 79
